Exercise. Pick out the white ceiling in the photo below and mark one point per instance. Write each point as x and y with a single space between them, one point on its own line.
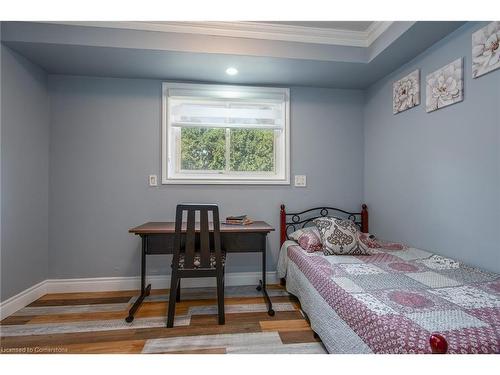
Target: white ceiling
353 33
339 33
191 52
336 25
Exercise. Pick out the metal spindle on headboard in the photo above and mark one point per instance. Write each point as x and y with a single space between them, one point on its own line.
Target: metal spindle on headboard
301 219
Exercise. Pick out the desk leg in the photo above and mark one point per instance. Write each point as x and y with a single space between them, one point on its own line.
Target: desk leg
262 283
144 289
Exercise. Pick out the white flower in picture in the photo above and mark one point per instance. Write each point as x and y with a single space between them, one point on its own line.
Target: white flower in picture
445 86
486 49
406 92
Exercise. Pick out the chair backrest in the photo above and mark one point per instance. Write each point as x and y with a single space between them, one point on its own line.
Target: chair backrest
204 247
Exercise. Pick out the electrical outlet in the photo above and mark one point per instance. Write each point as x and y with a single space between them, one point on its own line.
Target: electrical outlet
300 181
153 180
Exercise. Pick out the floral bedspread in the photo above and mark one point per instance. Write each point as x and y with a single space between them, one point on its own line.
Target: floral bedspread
394 300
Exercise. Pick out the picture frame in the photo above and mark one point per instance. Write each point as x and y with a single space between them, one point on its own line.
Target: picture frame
445 86
406 92
486 49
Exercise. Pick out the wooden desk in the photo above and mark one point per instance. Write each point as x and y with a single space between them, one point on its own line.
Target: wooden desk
158 238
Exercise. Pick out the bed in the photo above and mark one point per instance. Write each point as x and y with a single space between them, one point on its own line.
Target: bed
393 301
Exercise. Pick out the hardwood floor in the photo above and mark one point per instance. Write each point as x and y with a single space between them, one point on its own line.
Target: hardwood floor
94 323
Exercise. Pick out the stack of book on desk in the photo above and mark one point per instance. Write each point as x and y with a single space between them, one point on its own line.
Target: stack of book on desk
238 220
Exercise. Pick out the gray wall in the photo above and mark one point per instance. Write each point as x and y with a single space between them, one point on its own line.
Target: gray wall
105 141
25 174
433 179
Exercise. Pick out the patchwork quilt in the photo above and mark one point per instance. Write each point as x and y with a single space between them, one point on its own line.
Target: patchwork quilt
394 300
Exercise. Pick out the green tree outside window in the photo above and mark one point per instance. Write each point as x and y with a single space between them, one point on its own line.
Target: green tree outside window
250 150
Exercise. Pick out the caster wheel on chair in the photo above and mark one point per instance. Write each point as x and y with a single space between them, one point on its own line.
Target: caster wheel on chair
129 319
271 312
259 288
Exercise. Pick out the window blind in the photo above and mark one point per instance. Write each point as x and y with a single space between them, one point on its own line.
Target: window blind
226 114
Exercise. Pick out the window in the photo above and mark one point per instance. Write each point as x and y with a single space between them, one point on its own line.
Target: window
216 134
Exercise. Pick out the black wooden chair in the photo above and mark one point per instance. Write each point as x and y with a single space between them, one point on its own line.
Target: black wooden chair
194 257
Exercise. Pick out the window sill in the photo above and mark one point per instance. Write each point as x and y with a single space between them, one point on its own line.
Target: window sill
187 181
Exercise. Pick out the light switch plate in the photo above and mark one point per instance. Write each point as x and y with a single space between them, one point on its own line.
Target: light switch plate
153 180
300 181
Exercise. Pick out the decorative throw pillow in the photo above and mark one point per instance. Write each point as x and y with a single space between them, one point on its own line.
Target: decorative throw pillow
373 243
365 243
365 239
340 237
308 238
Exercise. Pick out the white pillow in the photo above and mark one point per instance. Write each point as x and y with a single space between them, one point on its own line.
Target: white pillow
340 237
308 238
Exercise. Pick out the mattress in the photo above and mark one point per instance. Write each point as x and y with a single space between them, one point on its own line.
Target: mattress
392 301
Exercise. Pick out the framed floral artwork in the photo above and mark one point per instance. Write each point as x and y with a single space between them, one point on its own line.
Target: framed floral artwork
486 49
406 92
445 86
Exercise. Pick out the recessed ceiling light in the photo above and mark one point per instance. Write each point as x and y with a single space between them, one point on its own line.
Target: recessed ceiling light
231 71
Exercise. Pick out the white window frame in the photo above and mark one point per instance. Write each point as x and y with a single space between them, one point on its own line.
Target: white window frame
170 174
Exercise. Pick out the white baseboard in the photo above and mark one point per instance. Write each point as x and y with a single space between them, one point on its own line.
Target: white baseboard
20 300
104 284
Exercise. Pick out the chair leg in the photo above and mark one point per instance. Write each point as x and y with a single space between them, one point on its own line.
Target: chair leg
174 284
178 296
220 297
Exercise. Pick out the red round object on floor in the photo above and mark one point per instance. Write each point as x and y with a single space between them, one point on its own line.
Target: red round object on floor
439 345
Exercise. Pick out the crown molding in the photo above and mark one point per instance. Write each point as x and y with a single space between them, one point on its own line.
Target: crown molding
254 30
375 30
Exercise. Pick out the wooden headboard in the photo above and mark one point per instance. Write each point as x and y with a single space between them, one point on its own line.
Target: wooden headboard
290 222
